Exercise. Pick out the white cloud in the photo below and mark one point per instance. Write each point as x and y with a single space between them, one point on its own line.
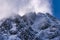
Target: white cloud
7 8
10 7
43 6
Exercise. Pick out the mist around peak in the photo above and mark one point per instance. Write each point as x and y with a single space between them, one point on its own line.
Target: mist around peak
21 7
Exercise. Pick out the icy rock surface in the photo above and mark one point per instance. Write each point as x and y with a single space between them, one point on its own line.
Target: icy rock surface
31 26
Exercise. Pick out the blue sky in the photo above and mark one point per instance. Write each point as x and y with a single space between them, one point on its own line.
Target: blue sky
56 8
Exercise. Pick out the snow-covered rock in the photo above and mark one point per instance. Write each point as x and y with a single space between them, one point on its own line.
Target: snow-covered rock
31 26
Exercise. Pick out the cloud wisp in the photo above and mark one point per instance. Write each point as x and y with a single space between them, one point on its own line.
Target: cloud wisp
43 6
21 7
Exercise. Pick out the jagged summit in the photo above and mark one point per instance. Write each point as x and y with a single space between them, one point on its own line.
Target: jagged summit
31 26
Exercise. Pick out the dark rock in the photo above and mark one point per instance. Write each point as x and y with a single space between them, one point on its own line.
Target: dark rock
31 26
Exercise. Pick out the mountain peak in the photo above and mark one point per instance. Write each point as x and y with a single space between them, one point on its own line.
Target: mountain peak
31 26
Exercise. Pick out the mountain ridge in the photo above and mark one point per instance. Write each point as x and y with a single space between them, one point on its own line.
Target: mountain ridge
31 26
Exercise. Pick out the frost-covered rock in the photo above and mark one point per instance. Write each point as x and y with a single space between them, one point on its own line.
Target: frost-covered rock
31 26
13 37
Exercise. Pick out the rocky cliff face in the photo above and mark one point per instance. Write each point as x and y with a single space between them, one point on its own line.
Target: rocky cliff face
31 26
